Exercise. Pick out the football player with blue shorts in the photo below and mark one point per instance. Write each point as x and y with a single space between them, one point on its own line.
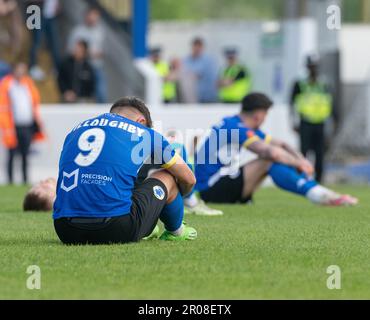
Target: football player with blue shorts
98 198
223 177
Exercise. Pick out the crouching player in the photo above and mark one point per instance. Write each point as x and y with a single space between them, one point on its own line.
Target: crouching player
222 180
97 199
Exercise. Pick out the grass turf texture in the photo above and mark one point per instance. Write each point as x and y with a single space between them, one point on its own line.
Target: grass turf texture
279 248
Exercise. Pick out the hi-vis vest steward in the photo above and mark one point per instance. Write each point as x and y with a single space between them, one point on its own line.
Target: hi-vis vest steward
313 103
239 88
169 87
7 127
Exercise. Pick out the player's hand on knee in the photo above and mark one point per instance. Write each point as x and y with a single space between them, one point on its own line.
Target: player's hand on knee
306 167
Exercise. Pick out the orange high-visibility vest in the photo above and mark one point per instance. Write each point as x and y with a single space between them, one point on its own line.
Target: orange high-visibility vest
7 126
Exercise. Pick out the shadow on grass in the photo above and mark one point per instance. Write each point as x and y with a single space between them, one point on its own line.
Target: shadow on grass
32 242
56 242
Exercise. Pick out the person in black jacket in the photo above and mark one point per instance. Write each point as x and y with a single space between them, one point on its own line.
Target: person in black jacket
76 75
312 105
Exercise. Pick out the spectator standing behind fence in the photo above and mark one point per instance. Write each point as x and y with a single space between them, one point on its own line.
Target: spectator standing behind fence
19 117
204 68
235 81
168 75
50 9
92 32
186 83
76 76
311 101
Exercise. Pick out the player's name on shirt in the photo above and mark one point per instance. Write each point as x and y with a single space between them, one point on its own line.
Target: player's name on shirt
102 122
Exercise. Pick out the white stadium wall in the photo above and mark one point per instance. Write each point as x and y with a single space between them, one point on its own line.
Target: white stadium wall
355 51
60 119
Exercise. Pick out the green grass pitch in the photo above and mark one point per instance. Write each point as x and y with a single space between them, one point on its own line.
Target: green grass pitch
278 248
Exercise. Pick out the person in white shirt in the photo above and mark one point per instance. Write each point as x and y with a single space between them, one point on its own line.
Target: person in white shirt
19 117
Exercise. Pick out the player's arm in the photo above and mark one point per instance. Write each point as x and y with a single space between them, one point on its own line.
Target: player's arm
280 155
182 173
173 163
287 148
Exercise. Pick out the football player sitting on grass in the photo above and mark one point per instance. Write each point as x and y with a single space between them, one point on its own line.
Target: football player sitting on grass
99 200
222 178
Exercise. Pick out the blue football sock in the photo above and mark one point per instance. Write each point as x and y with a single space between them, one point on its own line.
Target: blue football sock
290 179
173 214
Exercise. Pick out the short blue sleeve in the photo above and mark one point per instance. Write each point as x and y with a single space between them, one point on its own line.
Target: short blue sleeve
248 136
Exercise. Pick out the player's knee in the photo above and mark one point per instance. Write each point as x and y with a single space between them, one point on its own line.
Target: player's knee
162 175
275 154
260 165
266 164
168 180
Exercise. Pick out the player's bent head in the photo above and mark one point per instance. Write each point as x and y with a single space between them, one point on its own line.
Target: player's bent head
134 109
256 102
254 109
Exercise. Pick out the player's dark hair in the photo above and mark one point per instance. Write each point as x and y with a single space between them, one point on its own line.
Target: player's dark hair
198 41
34 202
136 103
256 101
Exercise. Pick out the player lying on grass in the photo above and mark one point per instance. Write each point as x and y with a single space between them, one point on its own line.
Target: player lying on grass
97 199
222 179
41 196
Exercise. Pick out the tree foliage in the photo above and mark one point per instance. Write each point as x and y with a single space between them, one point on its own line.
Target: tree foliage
215 9
352 10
